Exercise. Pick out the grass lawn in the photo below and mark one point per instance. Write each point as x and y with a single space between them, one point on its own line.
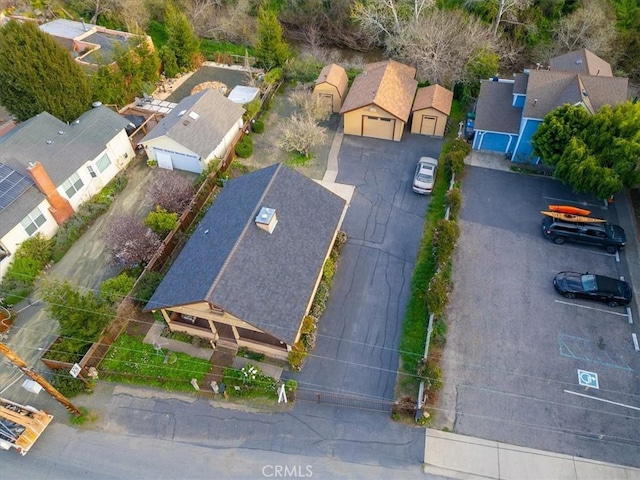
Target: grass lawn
131 361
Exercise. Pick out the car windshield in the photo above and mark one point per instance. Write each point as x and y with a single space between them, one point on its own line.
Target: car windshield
609 229
589 283
423 177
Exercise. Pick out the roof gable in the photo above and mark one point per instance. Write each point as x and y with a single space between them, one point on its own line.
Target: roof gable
199 122
581 61
264 279
433 96
334 75
389 85
62 148
548 89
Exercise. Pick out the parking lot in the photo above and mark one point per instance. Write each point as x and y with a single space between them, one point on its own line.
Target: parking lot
516 350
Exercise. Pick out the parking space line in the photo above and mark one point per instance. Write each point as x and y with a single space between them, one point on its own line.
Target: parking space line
564 201
629 315
602 400
592 308
617 256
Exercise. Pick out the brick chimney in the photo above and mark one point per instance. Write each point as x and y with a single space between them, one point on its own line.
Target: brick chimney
60 208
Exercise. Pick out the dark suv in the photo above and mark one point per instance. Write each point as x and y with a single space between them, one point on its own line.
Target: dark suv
606 235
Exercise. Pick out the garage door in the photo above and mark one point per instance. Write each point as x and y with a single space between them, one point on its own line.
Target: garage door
428 125
178 161
377 127
495 142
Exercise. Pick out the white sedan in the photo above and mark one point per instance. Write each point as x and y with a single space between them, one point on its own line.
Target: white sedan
425 175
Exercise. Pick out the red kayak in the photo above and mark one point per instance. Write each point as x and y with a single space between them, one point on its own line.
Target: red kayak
569 209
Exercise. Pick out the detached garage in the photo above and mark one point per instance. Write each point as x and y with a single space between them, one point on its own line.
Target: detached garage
431 110
379 102
331 86
202 127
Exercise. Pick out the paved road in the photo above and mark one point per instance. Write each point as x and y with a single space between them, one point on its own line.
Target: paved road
358 335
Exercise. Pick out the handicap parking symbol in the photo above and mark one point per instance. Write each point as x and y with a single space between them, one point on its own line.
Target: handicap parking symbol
588 379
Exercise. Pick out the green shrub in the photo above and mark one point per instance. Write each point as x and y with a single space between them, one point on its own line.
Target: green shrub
454 201
454 155
329 270
251 109
258 126
255 356
69 386
439 332
437 293
308 325
273 76
296 357
303 69
244 148
160 221
29 261
445 236
291 385
147 285
169 61
114 290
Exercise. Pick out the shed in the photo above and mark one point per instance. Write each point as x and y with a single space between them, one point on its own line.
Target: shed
431 110
331 86
379 102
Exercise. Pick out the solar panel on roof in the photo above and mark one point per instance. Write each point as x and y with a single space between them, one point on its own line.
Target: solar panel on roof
12 185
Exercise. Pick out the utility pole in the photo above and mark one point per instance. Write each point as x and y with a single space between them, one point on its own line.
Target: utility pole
18 362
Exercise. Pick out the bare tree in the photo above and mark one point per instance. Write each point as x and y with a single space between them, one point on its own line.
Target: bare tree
170 190
309 104
299 133
591 26
129 242
442 45
505 9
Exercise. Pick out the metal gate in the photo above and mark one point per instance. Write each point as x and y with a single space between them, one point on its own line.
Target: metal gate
328 398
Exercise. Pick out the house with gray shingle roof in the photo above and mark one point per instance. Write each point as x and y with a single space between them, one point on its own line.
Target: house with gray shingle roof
48 168
248 274
201 128
508 112
379 102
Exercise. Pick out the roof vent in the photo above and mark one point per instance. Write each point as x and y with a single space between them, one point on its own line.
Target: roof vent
579 62
49 142
96 104
267 219
185 123
60 132
194 115
182 112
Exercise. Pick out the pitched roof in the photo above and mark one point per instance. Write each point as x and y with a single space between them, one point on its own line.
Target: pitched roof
581 61
199 122
39 139
495 111
334 75
520 83
548 89
264 279
433 96
389 85
18 197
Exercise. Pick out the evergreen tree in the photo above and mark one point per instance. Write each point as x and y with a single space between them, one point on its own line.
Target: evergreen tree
182 40
271 50
597 154
36 75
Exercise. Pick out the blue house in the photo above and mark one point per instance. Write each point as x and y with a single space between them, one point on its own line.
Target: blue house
509 112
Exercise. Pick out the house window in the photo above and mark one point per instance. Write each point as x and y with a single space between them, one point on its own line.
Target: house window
103 163
33 221
72 185
4 252
92 172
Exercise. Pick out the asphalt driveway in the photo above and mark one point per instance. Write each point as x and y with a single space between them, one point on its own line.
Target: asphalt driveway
515 348
358 335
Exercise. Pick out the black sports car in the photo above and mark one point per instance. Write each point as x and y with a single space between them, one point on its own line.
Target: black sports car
609 290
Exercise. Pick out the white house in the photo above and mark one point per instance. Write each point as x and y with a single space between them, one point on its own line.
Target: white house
48 168
200 128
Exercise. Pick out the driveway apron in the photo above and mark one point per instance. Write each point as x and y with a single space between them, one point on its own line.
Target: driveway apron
358 335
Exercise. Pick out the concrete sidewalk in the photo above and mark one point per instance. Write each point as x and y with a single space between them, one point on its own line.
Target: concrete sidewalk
456 456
